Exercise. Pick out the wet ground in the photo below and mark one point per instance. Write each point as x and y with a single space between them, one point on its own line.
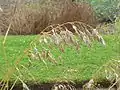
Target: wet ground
62 86
49 87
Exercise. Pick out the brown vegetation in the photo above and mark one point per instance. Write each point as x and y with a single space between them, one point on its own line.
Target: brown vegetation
76 12
32 19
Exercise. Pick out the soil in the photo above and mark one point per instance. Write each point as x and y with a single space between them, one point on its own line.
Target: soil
51 86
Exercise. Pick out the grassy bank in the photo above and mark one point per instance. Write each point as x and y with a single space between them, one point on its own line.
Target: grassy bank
73 66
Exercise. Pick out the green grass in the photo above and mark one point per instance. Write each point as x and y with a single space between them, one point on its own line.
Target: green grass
75 66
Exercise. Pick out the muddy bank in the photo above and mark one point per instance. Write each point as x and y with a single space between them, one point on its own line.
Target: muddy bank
63 86
51 87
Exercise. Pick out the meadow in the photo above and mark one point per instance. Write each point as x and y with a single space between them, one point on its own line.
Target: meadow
74 66
60 43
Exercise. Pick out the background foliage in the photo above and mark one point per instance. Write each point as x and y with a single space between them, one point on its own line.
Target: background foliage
105 9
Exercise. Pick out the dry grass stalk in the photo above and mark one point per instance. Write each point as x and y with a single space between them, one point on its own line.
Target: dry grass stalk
42 55
60 33
89 86
111 73
1 10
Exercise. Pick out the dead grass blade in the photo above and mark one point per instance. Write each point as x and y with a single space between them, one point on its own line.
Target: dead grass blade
6 34
25 87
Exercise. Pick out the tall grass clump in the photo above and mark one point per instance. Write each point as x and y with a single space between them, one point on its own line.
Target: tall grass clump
109 72
32 18
60 36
